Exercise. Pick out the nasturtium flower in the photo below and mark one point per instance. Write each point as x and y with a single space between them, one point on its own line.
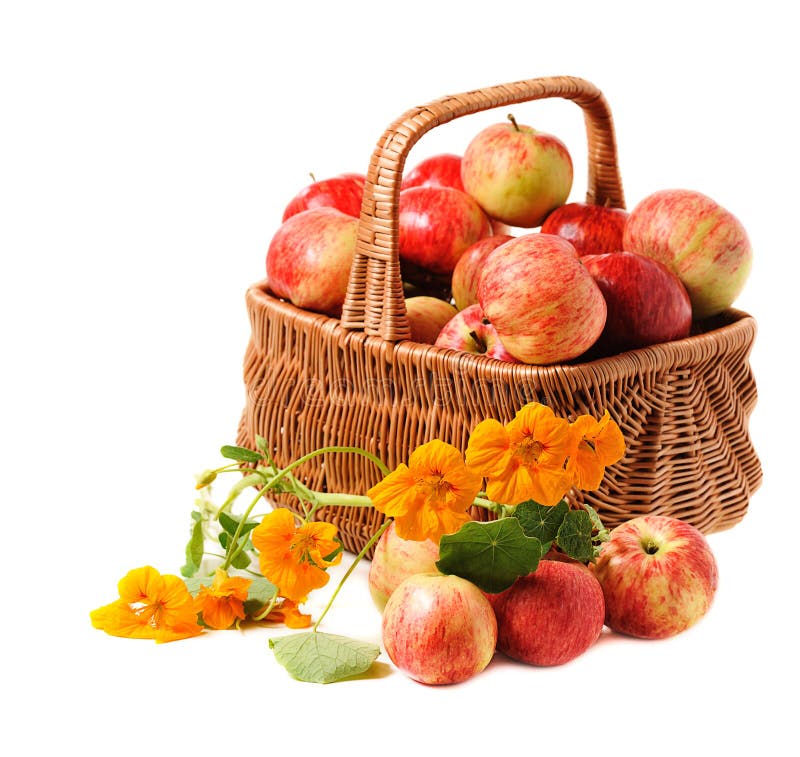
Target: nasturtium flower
431 495
150 606
293 557
289 614
596 444
222 603
525 458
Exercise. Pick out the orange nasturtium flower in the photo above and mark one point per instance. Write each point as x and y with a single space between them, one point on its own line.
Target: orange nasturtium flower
525 458
222 603
596 444
288 613
431 495
293 557
150 606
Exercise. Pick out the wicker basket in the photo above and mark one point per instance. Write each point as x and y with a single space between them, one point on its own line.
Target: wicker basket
314 381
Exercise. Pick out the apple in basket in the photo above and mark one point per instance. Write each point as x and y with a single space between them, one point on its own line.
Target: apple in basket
517 174
658 576
437 171
698 240
396 559
543 302
439 629
427 316
468 269
590 228
436 225
470 331
647 303
342 192
550 616
309 259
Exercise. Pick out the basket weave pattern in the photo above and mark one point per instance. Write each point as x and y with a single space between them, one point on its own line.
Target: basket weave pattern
315 381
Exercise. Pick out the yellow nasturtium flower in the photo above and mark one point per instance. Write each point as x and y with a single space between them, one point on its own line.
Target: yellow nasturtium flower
596 444
431 495
150 606
293 557
222 603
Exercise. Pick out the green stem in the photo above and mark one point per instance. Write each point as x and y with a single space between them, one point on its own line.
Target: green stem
267 609
487 504
334 499
352 567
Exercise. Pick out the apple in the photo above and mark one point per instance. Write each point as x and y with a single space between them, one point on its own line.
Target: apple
437 171
646 302
309 258
698 240
517 174
590 228
427 316
342 192
543 302
658 576
468 269
396 559
470 331
439 629
550 616
436 225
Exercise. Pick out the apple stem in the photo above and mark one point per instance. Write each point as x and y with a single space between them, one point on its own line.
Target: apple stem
513 121
478 343
311 174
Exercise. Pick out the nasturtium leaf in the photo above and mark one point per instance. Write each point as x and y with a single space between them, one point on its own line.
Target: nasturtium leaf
492 555
321 657
259 594
539 520
194 583
241 454
252 479
194 549
242 560
575 535
230 524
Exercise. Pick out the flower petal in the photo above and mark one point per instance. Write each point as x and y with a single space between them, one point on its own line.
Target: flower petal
488 451
395 493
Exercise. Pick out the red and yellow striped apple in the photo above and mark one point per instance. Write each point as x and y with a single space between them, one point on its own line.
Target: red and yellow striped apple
470 331
591 229
437 171
427 316
468 270
543 302
342 192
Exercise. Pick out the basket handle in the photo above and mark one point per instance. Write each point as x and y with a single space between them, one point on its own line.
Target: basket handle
375 301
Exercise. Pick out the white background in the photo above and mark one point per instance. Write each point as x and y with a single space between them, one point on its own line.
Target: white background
146 153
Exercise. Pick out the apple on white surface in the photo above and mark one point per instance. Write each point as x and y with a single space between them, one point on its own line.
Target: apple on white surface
698 240
543 302
439 629
517 174
343 192
550 616
469 267
436 225
647 303
437 171
470 331
309 259
396 559
658 576
427 316
591 229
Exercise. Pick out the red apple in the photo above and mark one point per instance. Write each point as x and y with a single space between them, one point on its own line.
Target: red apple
541 299
550 616
658 576
437 171
342 192
469 267
517 174
436 226
470 331
427 316
396 559
698 240
309 259
590 228
647 304
439 629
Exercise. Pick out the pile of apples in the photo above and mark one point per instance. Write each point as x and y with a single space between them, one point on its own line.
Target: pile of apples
654 578
593 281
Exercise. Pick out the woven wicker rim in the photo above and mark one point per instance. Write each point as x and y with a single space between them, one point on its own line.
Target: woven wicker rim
375 300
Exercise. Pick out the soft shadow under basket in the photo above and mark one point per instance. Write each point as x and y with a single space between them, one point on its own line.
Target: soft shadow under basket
314 381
